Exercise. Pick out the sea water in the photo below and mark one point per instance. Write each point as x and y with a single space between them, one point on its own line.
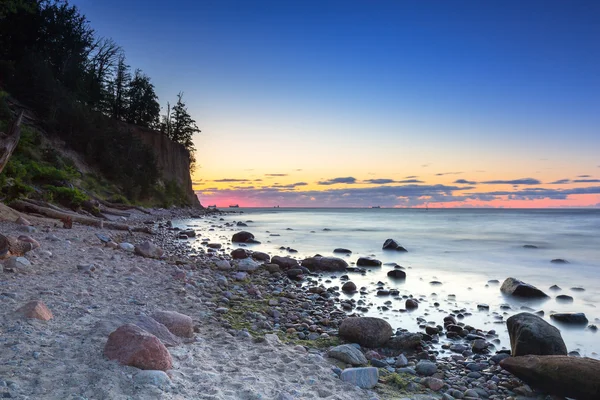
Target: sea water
461 248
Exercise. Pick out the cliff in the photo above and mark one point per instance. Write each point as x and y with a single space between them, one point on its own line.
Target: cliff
172 159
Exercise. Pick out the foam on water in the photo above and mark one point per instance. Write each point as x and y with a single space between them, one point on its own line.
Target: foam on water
461 248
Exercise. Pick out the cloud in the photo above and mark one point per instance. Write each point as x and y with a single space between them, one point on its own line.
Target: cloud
384 181
523 181
425 165
289 186
348 180
560 182
465 182
587 180
542 193
276 174
411 177
584 176
447 173
231 180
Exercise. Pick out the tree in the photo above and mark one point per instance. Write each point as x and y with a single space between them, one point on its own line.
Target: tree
119 88
102 62
183 128
143 108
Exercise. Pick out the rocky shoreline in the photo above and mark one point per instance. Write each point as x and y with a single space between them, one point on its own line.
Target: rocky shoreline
239 310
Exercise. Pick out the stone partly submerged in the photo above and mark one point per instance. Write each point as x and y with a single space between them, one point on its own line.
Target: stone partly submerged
243 237
530 334
325 264
573 377
368 262
517 288
367 331
570 318
285 262
391 244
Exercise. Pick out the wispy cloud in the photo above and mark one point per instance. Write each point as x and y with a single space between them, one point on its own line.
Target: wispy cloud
384 181
276 174
560 182
523 181
447 173
231 180
410 177
584 176
465 182
587 180
335 181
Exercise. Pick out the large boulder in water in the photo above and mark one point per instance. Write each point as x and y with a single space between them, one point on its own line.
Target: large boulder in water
243 237
285 262
530 334
391 244
368 262
366 331
566 376
515 287
325 264
570 318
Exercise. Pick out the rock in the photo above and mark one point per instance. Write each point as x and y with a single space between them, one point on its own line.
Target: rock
189 233
391 244
365 378
348 354
248 265
479 345
272 268
35 309
570 318
368 262
559 261
127 247
530 334
178 324
404 341
555 288
343 251
411 304
401 361
515 287
260 256
529 246
239 254
214 245
367 331
328 264
133 346
563 298
151 377
349 287
285 262
572 377
222 265
242 237
426 368
157 329
397 274
18 264
149 250
23 221
435 384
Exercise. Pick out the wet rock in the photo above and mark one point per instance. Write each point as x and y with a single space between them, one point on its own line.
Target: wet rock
555 288
178 324
529 246
404 341
285 262
530 334
133 346
563 298
365 378
342 251
348 354
242 237
157 329
328 264
570 318
368 262
214 245
35 309
366 331
349 287
260 256
426 368
572 377
248 265
149 250
411 304
559 261
391 244
397 274
515 287
239 254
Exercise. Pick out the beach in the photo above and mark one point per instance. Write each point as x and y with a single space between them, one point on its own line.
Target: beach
260 331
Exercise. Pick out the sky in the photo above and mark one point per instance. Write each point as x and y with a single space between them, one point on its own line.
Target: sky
385 103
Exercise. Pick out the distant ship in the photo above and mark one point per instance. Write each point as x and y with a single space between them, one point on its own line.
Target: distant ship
234 206
375 206
215 206
275 206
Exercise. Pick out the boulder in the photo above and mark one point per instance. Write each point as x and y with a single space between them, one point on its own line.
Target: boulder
248 265
133 346
411 304
515 287
365 378
348 354
157 329
329 264
573 377
426 368
178 324
260 256
342 251
149 250
285 262
349 287
366 331
391 244
240 253
396 274
242 237
35 309
368 262
404 341
570 318
530 334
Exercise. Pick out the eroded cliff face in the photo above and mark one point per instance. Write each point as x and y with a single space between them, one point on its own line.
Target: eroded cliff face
172 158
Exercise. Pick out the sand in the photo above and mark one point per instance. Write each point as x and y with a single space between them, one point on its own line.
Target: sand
63 358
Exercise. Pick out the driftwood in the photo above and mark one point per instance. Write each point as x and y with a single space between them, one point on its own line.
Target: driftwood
9 141
117 206
29 207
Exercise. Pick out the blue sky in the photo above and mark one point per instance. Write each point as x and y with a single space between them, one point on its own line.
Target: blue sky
510 88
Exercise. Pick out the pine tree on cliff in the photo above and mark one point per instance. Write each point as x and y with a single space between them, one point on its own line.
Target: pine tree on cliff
183 127
119 88
143 108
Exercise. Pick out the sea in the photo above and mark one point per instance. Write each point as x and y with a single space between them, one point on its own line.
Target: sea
463 249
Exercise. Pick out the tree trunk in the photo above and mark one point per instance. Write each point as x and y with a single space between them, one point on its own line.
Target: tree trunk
9 141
